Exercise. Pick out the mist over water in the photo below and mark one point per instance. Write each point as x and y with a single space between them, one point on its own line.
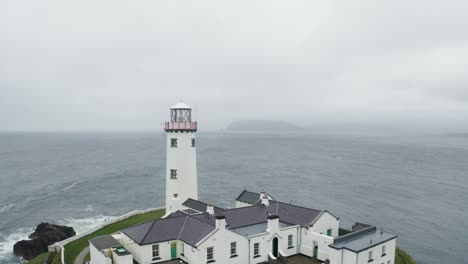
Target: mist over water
414 187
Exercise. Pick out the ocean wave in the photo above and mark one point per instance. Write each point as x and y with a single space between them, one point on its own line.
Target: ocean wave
7 242
83 224
6 207
57 190
79 224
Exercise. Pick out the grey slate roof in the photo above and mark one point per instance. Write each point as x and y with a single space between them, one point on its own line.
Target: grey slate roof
362 239
199 205
255 229
252 215
184 227
192 228
104 242
248 197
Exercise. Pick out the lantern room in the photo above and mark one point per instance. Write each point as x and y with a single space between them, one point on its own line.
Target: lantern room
181 113
181 119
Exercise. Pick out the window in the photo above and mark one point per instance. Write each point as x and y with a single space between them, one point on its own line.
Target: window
290 241
389 262
329 232
370 256
233 249
256 250
209 254
384 251
173 174
182 250
155 251
193 142
176 195
173 142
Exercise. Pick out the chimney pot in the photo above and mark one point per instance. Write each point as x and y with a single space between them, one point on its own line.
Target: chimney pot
210 209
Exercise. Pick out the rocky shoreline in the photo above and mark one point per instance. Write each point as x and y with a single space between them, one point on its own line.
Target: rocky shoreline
45 234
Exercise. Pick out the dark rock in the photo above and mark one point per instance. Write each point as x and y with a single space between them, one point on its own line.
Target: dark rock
44 235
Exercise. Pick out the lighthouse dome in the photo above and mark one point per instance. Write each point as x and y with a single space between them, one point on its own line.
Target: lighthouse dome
181 105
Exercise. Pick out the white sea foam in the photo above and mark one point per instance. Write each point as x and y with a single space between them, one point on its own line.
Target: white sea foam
7 242
79 224
83 224
58 190
6 207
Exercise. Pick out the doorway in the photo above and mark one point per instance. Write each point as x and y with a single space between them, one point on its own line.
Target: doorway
173 250
275 247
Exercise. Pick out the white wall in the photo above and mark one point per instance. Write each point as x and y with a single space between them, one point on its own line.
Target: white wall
363 256
97 257
345 256
144 254
241 204
325 222
220 240
183 158
124 259
317 235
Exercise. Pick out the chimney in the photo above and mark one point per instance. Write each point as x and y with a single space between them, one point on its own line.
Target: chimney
220 222
273 223
210 209
264 198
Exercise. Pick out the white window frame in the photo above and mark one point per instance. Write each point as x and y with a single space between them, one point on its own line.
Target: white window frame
155 250
233 249
256 249
210 253
290 241
371 253
384 250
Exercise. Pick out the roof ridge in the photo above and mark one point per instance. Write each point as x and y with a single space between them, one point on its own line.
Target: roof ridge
193 216
147 232
300 206
182 228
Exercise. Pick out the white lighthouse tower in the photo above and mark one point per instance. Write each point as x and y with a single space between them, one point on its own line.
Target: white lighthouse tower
181 163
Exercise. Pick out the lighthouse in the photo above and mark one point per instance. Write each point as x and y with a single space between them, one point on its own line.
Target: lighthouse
181 158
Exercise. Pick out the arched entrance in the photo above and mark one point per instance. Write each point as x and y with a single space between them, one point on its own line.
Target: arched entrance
275 247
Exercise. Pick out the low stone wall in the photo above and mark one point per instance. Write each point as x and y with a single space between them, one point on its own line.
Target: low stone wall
59 246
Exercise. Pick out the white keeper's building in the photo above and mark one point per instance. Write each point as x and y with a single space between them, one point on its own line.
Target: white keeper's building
259 229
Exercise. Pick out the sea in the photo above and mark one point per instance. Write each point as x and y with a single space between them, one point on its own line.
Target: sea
413 186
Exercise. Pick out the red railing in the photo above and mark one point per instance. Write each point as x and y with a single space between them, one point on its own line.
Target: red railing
180 126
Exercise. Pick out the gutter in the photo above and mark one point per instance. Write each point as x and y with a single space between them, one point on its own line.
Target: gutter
249 251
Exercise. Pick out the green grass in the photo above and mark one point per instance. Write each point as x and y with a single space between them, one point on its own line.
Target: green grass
74 248
39 259
401 257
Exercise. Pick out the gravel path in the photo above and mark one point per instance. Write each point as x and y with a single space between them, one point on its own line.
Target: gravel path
81 257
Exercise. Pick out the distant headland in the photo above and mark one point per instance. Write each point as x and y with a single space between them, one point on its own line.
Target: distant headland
262 126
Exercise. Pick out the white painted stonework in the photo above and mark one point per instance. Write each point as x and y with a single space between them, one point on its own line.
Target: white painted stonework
315 237
181 159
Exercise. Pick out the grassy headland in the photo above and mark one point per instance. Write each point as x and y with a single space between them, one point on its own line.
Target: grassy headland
401 257
74 248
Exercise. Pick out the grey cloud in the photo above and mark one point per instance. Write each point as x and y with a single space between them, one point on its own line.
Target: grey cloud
118 65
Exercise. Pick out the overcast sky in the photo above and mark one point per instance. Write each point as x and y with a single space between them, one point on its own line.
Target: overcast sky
119 65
